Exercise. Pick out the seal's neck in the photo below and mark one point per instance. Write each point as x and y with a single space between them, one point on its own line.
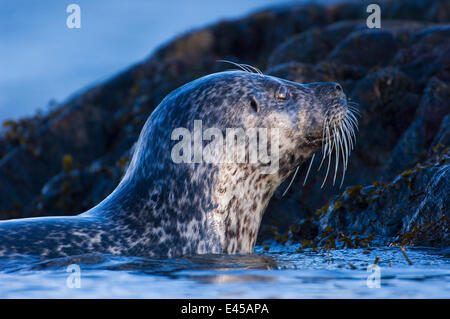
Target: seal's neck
194 209
188 208
242 194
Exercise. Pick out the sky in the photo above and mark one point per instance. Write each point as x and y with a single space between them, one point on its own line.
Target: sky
42 60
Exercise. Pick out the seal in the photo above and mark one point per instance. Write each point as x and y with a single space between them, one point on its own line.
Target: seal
163 207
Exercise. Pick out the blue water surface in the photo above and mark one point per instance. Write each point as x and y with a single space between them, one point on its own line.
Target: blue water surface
278 273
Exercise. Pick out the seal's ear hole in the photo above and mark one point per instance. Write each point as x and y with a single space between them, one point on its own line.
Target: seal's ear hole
254 103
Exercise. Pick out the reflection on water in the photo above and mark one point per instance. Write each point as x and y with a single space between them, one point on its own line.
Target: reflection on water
279 273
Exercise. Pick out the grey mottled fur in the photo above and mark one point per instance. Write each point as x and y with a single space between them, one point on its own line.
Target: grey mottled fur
161 208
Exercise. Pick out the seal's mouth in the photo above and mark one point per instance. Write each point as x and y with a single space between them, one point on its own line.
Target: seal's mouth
314 140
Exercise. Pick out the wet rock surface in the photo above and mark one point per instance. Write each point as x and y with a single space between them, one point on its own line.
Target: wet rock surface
397 184
413 209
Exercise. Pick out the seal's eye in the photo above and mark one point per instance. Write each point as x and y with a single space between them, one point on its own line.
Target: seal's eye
282 93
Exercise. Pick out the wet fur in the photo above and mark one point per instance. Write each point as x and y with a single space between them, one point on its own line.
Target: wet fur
161 208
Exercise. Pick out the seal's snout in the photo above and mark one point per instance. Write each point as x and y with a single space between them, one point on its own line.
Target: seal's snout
328 103
334 87
339 125
329 93
323 87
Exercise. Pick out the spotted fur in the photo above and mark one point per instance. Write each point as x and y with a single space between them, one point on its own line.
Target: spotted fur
161 208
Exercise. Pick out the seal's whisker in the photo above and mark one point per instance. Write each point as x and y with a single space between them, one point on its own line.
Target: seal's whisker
353 119
253 68
350 128
348 133
343 177
353 105
354 109
327 146
345 146
324 152
245 67
309 168
323 157
353 123
347 151
349 137
293 177
323 130
352 116
344 149
352 132
241 66
329 158
337 138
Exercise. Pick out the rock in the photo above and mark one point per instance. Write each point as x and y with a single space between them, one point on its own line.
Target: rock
366 48
346 75
427 55
439 12
442 138
76 191
347 11
298 72
387 104
306 229
415 202
401 30
311 46
410 149
414 144
411 10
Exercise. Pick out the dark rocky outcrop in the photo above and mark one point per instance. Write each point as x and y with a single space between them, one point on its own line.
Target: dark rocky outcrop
413 145
413 209
69 159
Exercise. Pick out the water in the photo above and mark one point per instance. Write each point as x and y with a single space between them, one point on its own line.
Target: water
279 273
